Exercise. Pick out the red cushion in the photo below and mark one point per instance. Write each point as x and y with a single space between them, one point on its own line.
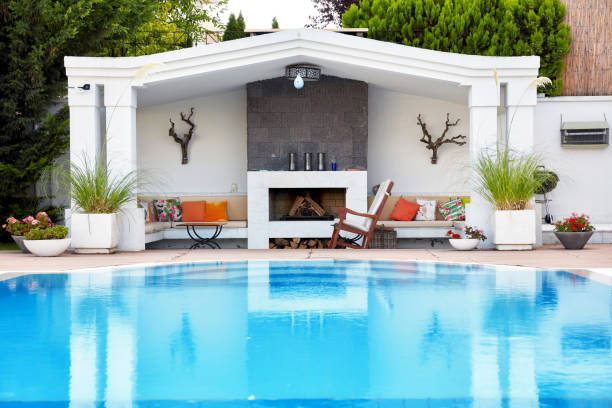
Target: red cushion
194 211
404 210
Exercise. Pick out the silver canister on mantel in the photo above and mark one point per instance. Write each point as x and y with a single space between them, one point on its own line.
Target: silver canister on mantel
292 166
308 161
321 161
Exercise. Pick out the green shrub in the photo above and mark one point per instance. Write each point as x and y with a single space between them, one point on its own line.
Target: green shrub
491 27
56 232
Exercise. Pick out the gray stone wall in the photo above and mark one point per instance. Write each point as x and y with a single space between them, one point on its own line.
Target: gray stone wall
329 116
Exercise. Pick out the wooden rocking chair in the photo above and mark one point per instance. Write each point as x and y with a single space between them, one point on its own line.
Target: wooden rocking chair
364 227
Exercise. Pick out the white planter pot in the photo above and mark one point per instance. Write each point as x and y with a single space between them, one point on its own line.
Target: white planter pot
47 247
466 244
95 233
515 230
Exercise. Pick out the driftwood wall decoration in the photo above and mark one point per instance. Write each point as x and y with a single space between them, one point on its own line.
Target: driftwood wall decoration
434 145
184 142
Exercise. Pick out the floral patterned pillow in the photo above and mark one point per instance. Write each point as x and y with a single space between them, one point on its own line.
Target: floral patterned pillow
427 210
168 210
453 210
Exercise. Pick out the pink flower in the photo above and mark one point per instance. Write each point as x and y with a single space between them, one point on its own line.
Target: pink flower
28 219
42 213
35 222
3 225
11 220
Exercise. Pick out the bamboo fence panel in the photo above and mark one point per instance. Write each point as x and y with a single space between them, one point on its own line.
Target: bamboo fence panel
588 66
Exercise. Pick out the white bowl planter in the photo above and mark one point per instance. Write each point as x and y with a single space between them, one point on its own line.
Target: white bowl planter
47 247
95 233
515 230
466 244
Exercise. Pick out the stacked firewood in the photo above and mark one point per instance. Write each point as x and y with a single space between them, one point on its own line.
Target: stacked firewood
298 243
306 206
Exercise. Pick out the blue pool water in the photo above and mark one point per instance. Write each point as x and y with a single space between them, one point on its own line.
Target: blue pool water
306 334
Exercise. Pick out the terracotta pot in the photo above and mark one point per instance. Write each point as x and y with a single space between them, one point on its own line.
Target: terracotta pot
574 240
466 244
19 241
47 247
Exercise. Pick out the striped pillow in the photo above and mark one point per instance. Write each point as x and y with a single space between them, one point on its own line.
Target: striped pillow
453 210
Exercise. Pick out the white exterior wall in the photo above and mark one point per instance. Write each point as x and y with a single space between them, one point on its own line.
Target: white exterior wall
217 151
395 152
585 184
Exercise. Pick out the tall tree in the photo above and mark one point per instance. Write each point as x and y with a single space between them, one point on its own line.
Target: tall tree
482 27
234 28
275 25
329 12
35 35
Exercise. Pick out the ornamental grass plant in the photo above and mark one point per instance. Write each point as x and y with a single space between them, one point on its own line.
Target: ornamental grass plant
96 189
509 180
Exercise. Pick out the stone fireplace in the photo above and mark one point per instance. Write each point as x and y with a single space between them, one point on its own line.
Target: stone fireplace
328 116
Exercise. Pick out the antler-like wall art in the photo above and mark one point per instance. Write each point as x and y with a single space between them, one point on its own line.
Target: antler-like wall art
184 142
434 145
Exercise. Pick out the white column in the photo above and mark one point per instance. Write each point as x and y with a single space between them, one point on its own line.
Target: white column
521 107
85 126
522 99
484 100
121 156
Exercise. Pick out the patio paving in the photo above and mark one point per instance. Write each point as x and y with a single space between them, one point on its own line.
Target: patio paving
552 257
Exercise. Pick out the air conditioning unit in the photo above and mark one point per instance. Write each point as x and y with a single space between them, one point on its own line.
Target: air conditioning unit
585 134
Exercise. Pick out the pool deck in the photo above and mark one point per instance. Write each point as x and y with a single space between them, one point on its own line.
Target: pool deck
596 258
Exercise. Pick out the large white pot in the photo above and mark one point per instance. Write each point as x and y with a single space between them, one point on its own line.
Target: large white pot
515 230
95 233
47 247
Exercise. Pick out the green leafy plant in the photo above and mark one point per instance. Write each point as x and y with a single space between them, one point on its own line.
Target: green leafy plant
575 223
469 232
56 232
508 180
19 228
234 28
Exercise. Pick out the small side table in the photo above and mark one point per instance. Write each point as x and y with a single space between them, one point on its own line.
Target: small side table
201 241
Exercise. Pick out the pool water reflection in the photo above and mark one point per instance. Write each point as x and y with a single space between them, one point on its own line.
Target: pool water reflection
314 333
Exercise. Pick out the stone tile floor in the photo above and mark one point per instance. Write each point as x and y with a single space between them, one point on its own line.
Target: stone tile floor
593 257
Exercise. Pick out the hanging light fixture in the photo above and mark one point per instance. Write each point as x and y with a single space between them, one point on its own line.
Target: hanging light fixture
300 73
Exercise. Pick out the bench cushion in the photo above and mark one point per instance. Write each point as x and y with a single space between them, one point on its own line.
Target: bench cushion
417 224
393 199
236 205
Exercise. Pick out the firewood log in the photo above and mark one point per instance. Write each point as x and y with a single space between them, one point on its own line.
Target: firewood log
281 242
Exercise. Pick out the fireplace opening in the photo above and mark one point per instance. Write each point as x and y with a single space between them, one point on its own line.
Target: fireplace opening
312 204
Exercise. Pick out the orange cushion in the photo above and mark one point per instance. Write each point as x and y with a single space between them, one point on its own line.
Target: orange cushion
216 211
404 210
194 211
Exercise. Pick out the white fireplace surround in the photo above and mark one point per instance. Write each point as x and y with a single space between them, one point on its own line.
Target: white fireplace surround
261 229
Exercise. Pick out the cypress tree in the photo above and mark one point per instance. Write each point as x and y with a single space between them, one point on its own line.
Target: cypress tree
275 25
235 27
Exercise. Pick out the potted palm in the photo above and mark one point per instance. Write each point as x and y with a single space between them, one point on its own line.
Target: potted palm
97 196
51 241
574 232
509 181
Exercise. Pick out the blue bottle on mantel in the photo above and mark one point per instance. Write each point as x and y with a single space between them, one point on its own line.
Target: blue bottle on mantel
333 165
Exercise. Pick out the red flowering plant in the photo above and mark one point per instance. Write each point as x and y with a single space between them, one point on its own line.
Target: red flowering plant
20 227
469 233
575 223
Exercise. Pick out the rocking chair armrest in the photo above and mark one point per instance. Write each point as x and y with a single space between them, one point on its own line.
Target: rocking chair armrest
344 211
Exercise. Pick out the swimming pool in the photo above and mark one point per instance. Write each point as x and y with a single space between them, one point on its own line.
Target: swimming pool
306 334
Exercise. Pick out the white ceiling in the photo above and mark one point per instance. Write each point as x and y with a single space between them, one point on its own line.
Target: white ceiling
190 87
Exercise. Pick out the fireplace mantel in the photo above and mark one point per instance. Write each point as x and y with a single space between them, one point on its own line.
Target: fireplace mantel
261 229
